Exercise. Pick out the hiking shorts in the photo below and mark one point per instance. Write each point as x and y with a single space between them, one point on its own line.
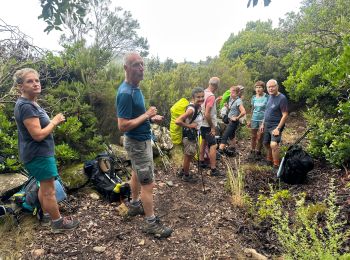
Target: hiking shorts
42 168
205 133
255 124
141 156
190 147
269 137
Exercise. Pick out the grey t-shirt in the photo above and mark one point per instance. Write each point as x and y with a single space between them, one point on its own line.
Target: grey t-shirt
234 107
274 108
28 147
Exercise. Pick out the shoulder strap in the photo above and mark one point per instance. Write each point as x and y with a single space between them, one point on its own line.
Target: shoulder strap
195 114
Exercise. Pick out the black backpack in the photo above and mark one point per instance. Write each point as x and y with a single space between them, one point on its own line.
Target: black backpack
191 133
296 164
105 180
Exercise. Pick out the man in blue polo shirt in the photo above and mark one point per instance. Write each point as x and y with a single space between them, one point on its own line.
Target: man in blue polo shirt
134 121
275 117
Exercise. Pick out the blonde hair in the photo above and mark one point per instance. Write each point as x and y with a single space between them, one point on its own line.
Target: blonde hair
18 77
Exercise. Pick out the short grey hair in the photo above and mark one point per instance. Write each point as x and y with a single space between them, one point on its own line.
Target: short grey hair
197 90
214 81
18 77
272 80
127 57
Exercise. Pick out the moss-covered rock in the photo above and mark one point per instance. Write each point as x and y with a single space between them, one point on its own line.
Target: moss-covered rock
73 176
176 155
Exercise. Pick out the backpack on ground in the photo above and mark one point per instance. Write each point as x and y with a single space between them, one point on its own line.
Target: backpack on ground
27 198
103 177
295 164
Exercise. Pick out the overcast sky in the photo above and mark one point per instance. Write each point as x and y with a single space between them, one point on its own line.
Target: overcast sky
182 30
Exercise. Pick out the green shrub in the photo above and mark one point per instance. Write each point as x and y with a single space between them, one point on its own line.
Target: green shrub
307 237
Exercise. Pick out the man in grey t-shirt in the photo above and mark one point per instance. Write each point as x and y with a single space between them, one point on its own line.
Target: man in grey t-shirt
276 114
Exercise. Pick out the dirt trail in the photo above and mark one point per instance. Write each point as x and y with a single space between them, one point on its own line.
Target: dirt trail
206 226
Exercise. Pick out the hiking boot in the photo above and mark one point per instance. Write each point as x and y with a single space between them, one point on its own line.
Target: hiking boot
64 224
135 210
45 220
230 151
189 178
203 165
252 155
258 156
157 229
180 173
216 172
267 163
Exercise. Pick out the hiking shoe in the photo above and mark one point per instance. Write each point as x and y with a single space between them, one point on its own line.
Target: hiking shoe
135 210
45 220
64 224
203 165
180 173
157 229
252 155
230 151
267 163
215 172
258 156
189 178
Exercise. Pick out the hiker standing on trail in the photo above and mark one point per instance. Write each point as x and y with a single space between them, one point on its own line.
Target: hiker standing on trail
209 124
275 117
191 122
236 111
134 120
37 148
258 102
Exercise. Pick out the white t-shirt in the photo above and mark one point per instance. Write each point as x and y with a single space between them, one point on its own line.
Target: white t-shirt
198 120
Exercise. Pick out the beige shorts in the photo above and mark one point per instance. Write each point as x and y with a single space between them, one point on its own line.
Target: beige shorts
141 156
190 147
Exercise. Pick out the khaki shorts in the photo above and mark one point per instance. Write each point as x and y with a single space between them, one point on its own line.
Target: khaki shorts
141 156
190 147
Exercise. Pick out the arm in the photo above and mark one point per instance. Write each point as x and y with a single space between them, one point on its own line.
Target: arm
241 114
180 121
34 128
125 124
208 106
283 120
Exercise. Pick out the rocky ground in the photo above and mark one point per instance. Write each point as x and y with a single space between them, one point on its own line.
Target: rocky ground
206 224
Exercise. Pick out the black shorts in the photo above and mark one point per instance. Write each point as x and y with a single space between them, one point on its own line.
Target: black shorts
269 137
205 133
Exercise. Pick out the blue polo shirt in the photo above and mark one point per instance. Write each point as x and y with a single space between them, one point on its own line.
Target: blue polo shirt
130 104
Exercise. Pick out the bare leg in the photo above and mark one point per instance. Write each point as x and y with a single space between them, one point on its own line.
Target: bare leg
147 199
254 139
135 186
269 152
212 156
47 198
259 141
186 163
275 153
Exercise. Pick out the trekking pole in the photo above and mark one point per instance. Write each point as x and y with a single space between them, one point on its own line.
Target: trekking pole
198 167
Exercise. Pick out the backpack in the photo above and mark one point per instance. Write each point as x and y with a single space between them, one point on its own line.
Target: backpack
27 198
102 175
176 132
295 165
